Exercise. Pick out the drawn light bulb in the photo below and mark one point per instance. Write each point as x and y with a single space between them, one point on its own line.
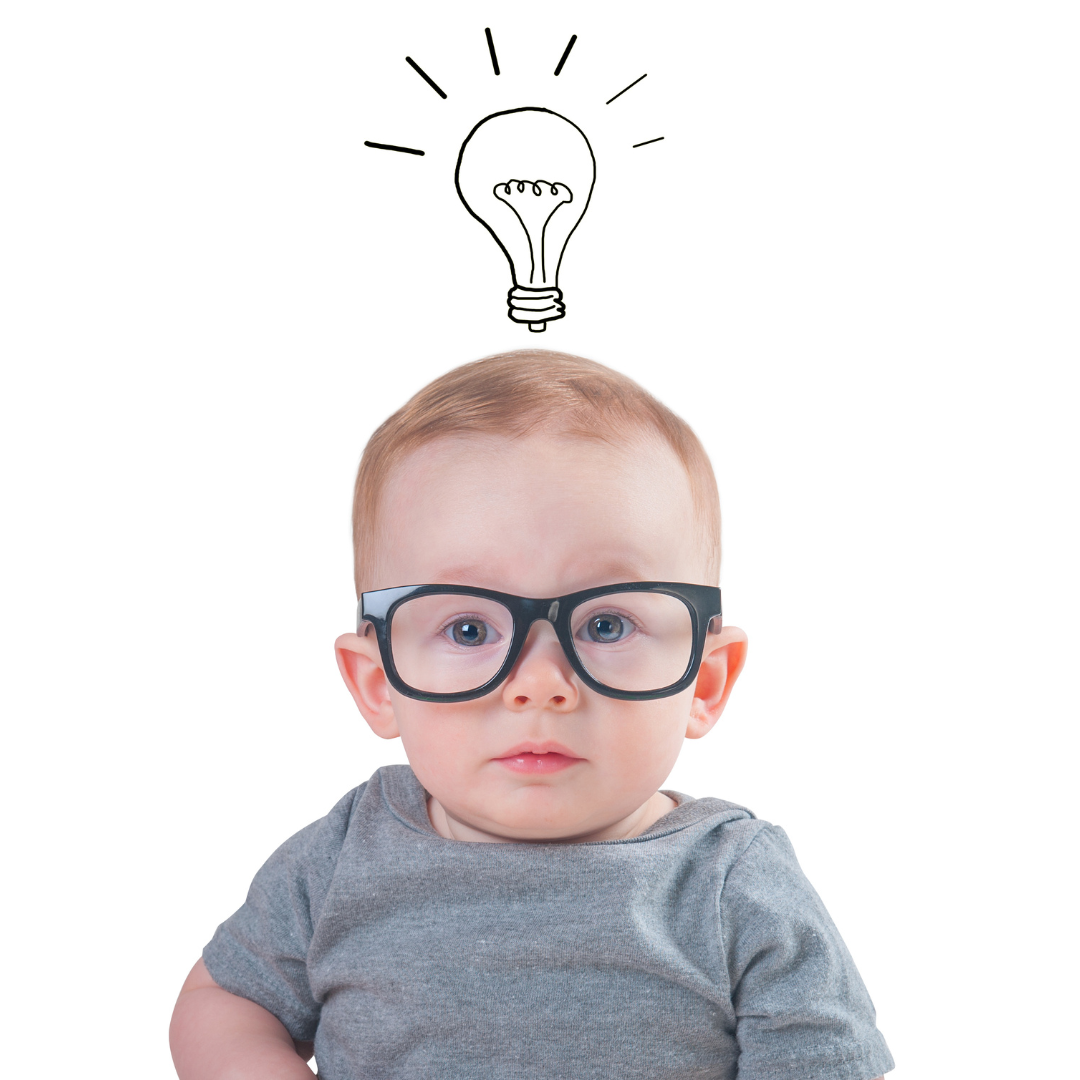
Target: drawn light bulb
527 176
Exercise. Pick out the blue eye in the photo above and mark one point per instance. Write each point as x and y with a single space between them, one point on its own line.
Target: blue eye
606 628
469 632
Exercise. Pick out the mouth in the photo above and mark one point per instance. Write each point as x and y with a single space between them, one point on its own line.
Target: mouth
538 759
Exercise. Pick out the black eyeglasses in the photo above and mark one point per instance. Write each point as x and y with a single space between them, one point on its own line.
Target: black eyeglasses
636 641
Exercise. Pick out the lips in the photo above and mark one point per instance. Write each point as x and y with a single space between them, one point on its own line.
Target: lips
538 759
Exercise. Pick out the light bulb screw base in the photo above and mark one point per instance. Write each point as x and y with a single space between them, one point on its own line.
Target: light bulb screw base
537 307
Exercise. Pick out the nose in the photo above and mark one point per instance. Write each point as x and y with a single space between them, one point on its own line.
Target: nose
542 676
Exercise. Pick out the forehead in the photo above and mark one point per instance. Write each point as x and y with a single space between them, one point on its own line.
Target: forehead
538 515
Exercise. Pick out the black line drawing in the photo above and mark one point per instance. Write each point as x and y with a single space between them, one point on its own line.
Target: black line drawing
521 196
491 49
498 178
624 89
566 53
426 77
389 146
527 175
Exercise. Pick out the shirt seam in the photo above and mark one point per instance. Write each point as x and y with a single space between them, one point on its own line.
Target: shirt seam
765 827
719 929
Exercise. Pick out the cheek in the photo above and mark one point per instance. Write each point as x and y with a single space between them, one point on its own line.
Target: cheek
436 736
646 736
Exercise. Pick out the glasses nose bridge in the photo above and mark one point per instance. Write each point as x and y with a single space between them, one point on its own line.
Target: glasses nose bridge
541 611
534 611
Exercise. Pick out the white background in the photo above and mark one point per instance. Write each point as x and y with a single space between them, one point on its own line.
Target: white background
851 265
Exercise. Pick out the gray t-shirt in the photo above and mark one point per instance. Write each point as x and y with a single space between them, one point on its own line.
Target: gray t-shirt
694 950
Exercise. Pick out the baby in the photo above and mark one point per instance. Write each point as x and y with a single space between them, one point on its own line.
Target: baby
537 544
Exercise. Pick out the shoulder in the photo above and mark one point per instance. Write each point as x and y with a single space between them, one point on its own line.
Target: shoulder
302 870
764 885
712 831
765 861
768 907
314 851
327 834
358 818
743 862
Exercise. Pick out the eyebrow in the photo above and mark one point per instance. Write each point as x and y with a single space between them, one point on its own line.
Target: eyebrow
476 576
466 574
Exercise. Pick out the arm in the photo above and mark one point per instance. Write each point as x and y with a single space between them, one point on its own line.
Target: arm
216 1035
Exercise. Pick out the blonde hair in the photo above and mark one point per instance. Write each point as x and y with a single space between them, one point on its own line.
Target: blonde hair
513 394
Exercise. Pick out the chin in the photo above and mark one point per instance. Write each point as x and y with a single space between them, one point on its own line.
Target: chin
538 826
533 819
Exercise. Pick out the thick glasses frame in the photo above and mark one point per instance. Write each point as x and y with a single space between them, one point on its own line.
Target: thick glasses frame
703 601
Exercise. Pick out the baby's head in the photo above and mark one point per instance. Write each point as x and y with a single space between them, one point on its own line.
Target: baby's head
538 475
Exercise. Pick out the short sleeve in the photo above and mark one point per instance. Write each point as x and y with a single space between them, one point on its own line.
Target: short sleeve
260 952
801 1008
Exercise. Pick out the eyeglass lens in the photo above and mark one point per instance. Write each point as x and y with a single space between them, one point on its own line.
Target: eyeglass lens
450 643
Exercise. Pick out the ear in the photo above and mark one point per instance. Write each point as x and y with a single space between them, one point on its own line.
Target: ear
725 654
361 667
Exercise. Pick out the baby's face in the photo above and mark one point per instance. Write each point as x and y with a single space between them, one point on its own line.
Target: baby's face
542 756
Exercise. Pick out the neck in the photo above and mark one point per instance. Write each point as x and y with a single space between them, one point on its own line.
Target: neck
453 828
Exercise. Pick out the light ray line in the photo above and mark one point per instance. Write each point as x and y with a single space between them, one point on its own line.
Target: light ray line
623 91
566 53
659 138
425 76
399 149
491 49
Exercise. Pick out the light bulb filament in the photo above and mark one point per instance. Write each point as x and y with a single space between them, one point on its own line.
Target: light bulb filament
534 202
